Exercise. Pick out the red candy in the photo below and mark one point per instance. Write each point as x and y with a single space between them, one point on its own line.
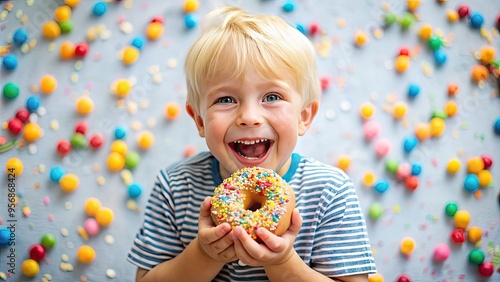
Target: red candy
457 236
403 278
37 252
486 269
314 28
488 162
96 140
81 127
463 11
158 19
325 83
81 49
15 126
63 147
404 51
23 115
411 182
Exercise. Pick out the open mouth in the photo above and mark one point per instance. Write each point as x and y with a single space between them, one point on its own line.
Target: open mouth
251 149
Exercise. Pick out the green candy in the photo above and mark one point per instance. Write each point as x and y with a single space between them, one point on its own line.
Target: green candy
392 165
48 241
476 256
435 43
132 159
439 114
78 141
389 19
407 20
10 90
375 211
451 209
66 26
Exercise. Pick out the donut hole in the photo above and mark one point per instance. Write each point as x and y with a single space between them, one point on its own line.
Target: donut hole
254 202
254 206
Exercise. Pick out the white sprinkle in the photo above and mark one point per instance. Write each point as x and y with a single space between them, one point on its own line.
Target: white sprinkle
110 273
345 106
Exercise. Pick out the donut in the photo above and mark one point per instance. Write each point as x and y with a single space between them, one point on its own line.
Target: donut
254 197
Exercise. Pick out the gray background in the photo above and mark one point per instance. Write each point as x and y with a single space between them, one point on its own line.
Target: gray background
357 75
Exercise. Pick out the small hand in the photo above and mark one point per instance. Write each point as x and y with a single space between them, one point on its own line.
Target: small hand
275 250
214 241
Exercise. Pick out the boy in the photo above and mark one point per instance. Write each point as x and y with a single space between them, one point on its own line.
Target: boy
253 89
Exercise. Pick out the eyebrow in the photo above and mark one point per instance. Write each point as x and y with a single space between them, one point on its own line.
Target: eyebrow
268 84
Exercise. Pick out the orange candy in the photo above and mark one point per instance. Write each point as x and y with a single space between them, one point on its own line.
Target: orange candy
51 30
451 108
154 30
344 162
423 131
67 50
475 165
399 110
84 105
146 140
62 13
479 73
425 32
32 131
402 63
360 38
172 110
48 84
452 89
130 54
191 6
487 54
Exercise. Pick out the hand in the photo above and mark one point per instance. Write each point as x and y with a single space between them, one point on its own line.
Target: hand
214 241
275 250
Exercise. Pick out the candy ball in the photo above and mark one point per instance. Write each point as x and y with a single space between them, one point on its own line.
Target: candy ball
67 50
451 209
375 277
371 129
146 140
435 43
20 36
479 73
474 234
9 62
406 20
92 206
369 179
71 3
367 110
451 108
91 226
190 21
63 147
48 241
439 57
403 278
389 18
403 171
132 159
130 54
476 256
441 252
138 42
154 30
96 140
488 162
475 165
375 211
476 20
32 103
461 219
452 16
62 13
30 268
81 49
381 186
121 132
410 143
416 169
392 165
452 89
14 166
413 90
85 254
56 172
99 8
191 6
32 131
423 131
486 269
119 146
104 216
344 162
382 147
411 183
360 38
15 126
37 252
485 178
4 236
407 245
453 166
48 84
438 126
84 105
463 10
288 6
115 161
10 90
69 182
123 87
425 32
402 63
51 30
496 126
78 141
487 54
66 26
134 190
172 110
81 127
457 236
404 51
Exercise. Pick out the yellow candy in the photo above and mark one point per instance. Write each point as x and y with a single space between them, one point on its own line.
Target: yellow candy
402 63
92 206
461 219
407 245
14 166
62 13
146 140
485 177
376 277
369 179
412 5
399 110
191 6
474 234
119 146
367 110
475 165
84 105
48 84
451 108
172 110
425 32
344 162
71 3
423 131
437 126
123 87
130 54
85 254
154 30
67 50
360 38
453 16
453 166
480 73
115 161
30 268
69 182
487 54
32 131
51 30
104 216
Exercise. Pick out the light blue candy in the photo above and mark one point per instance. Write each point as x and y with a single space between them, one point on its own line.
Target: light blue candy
190 21
100 8
413 90
439 57
4 236
120 132
471 183
476 20
416 169
32 103
410 143
9 62
56 172
20 36
134 190
496 126
138 42
301 28
288 6
381 186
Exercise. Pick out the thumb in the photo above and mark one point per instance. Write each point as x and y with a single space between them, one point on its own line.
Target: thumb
205 218
296 222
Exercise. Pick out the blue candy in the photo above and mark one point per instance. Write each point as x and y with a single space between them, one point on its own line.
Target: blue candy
471 183
56 172
289 6
9 62
134 190
496 126
32 103
413 90
416 169
120 132
190 21
439 57
476 20
381 186
4 236
410 143
138 42
20 36
100 8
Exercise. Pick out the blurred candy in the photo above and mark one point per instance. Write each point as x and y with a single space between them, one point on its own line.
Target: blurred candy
344 162
453 166
391 165
32 103
411 183
4 236
67 50
121 132
375 211
20 36
457 236
406 20
360 38
115 161
413 90
461 219
138 42
402 63
471 183
389 18
104 216
51 30
476 257
191 6
425 32
134 190
475 165
91 226
14 166
56 172
451 209
451 108
486 269
407 245
463 10
62 13
381 186
10 90
452 89
96 140
441 252
479 73
487 54
154 30
403 278
190 21
9 62
132 159
485 178
85 254
438 126
84 105
15 126
488 162
37 252
130 54
496 126
123 87
440 57
172 110
146 140
474 234
367 110
78 141
382 147
435 42
69 182
416 169
476 20
30 268
92 206
369 179
410 143
48 241
32 132
422 131
288 6
71 3
99 8
63 147
371 129
403 171
81 49
48 84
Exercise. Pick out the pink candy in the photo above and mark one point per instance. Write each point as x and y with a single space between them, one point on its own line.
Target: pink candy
382 147
91 226
371 129
441 252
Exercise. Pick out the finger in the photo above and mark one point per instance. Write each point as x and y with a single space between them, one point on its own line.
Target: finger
205 218
273 242
239 249
247 249
296 222
229 254
210 235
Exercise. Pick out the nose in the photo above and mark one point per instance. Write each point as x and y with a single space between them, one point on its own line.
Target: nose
249 115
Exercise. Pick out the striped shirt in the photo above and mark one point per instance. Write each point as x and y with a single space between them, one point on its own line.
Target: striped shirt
333 239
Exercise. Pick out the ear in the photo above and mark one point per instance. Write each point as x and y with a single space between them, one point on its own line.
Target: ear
198 120
307 116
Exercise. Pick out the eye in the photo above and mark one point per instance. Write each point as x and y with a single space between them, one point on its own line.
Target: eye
225 100
272 97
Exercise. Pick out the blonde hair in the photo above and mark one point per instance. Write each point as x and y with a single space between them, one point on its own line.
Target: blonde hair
232 39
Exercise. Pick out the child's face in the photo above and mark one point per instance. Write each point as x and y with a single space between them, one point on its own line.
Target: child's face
252 122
